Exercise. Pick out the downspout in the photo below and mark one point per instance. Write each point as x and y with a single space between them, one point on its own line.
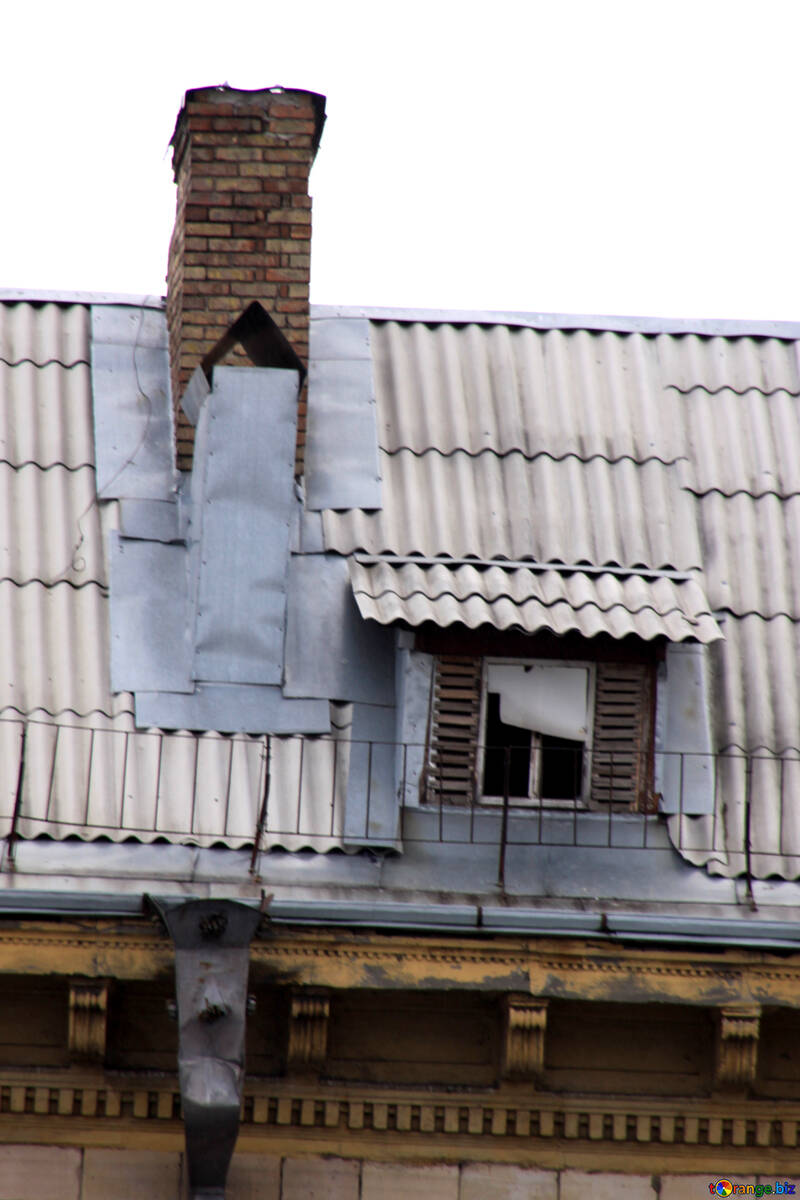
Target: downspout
212 950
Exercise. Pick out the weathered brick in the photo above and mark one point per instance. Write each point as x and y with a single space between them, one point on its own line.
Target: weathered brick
35 1172
388 1181
577 1185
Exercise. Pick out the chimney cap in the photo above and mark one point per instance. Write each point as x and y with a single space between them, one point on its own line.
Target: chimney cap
224 94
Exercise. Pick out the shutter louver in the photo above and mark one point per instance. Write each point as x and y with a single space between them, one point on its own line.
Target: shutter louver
621 751
454 731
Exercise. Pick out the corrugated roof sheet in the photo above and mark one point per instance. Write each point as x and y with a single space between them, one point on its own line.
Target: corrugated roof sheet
508 506
533 600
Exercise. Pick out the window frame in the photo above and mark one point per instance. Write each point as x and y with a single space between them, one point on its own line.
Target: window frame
533 799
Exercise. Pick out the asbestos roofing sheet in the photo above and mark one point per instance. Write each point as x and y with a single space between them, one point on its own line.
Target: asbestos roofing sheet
765 364
748 442
51 528
55 654
531 600
477 387
752 559
46 415
44 333
492 506
107 779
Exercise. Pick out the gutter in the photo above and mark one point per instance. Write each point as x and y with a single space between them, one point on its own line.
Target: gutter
745 932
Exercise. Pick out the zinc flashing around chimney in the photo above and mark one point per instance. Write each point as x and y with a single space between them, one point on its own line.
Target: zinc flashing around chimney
243 225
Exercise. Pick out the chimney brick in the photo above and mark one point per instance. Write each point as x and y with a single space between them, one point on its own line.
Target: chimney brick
242 226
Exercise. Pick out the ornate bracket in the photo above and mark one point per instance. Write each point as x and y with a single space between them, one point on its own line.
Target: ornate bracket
308 1030
524 1027
737 1045
88 1020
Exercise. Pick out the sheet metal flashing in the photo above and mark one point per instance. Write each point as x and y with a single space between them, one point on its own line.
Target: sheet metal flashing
132 415
342 461
703 326
56 296
329 650
234 708
247 506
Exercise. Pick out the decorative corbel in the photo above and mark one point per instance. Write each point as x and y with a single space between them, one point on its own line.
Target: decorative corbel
88 1020
737 1045
308 1030
524 1027
212 951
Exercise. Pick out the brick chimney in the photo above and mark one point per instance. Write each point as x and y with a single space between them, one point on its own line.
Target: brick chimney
242 226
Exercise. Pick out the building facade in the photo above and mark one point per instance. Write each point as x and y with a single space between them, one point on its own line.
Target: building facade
453 654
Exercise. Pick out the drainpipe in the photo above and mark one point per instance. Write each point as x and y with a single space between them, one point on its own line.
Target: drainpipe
212 949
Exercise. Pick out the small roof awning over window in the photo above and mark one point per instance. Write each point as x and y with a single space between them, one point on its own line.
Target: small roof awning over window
590 601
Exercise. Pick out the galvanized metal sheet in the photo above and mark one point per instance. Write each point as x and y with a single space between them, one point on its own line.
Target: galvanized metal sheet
247 502
493 506
533 600
132 413
150 645
233 708
342 468
684 762
372 813
150 520
307 536
330 650
331 338
130 325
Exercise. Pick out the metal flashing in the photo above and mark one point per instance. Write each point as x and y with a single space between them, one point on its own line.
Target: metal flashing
330 651
703 326
342 463
372 810
132 417
57 296
151 520
247 500
150 647
233 708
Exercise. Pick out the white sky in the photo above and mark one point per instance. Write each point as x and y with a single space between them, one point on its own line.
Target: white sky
614 156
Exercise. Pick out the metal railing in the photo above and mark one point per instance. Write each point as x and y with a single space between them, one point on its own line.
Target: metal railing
67 780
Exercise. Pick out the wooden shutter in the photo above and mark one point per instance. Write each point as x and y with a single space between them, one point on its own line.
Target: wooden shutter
622 759
454 730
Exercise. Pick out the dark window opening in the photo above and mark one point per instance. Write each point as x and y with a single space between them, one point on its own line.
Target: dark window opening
561 768
505 743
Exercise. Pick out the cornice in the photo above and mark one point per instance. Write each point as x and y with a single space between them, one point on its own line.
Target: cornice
518 1124
548 968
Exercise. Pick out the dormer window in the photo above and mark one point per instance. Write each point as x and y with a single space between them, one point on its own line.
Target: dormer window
551 731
